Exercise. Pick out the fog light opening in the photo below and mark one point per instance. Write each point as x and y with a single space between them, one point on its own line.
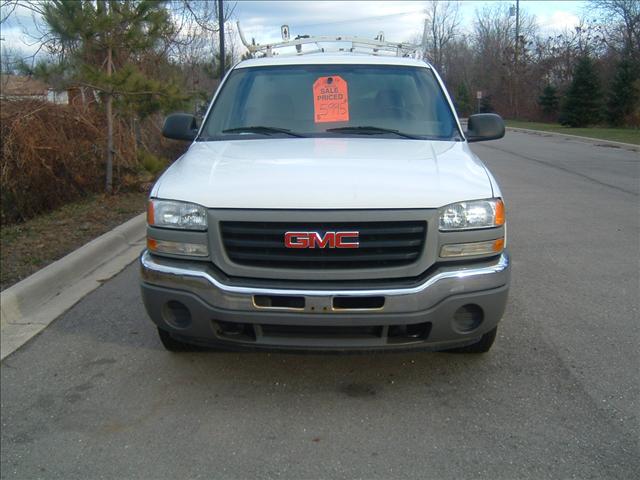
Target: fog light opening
176 314
235 331
231 329
468 317
408 333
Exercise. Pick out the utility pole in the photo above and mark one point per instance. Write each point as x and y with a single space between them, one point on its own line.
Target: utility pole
109 107
517 28
514 78
109 103
221 27
517 79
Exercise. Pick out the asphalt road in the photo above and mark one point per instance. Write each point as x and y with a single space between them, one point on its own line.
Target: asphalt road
96 396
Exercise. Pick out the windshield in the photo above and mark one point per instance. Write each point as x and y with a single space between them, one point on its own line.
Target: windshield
331 100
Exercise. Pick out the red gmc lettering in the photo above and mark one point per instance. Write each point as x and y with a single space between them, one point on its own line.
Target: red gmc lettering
341 239
315 239
296 240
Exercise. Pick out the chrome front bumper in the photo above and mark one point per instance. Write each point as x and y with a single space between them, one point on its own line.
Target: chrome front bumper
434 299
199 279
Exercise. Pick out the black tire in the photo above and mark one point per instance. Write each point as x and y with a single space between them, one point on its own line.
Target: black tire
172 344
481 346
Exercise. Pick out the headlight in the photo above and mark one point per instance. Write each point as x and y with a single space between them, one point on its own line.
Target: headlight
172 214
472 214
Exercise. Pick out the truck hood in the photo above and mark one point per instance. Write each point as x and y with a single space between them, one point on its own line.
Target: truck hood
325 173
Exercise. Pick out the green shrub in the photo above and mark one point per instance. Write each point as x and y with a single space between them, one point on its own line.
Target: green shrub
624 96
151 163
583 102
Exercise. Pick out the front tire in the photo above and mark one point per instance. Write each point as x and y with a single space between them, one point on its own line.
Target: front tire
173 345
481 346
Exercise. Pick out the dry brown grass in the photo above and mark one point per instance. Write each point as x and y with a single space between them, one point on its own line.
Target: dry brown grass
55 154
51 154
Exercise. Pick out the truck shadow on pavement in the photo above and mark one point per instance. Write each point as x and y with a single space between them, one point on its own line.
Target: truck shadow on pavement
126 338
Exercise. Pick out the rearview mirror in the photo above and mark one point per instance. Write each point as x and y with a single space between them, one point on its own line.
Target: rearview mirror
484 126
180 126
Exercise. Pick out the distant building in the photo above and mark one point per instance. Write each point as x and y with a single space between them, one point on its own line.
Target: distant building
19 87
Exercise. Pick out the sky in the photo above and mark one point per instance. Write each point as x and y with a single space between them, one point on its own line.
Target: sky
401 21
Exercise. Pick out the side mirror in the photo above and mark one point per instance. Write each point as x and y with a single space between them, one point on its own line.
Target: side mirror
180 126
484 126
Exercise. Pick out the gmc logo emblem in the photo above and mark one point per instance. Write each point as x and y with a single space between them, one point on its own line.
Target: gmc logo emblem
317 240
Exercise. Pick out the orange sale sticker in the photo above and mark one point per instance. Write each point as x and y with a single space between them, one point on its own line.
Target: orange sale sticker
330 100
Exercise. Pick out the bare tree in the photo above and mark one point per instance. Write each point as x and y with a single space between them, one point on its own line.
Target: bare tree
621 22
10 59
494 45
9 7
440 29
39 35
195 48
197 22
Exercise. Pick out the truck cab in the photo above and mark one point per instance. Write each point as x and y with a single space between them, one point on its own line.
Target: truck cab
328 202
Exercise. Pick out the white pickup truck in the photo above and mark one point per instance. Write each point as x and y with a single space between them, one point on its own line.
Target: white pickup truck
328 202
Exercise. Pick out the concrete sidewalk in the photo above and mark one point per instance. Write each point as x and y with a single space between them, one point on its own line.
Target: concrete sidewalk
27 307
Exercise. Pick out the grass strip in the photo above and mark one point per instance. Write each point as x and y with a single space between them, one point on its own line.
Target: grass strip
27 247
624 135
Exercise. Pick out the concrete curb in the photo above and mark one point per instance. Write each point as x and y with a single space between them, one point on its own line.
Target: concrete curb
577 137
30 305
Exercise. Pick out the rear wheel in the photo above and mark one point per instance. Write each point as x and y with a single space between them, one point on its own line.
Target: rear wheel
481 346
172 344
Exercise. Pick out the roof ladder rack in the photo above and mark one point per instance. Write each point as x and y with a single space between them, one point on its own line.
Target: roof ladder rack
378 45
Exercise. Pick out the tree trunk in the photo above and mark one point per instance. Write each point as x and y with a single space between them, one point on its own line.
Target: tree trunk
109 105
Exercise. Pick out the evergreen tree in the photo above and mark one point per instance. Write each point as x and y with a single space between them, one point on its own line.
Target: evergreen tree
624 96
102 42
463 100
583 101
549 101
228 61
486 104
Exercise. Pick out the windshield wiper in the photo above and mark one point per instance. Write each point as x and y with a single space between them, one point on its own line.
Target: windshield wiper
369 130
262 130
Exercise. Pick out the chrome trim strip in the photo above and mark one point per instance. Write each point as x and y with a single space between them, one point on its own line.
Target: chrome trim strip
501 265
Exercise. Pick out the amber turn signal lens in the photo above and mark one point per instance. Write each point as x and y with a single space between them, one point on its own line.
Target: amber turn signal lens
499 213
150 213
474 248
177 248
